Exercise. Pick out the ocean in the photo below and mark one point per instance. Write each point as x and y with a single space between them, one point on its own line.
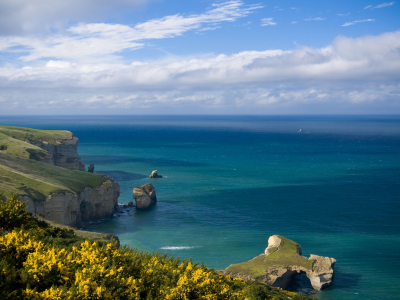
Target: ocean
230 182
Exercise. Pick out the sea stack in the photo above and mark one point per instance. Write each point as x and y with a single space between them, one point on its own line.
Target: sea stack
91 168
281 262
145 196
155 175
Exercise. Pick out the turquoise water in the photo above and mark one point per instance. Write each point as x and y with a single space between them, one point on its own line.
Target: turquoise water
231 182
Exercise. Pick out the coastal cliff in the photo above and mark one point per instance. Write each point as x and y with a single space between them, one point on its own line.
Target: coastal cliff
281 262
55 147
72 209
64 154
43 167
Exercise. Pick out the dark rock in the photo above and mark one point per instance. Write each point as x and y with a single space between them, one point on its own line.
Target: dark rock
155 175
91 168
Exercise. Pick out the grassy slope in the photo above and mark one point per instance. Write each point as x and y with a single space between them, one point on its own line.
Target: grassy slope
19 148
285 256
54 137
37 180
22 174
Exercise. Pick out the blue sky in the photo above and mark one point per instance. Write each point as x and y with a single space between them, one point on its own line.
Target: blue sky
199 57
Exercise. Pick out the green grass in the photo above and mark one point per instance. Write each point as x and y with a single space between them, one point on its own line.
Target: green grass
54 137
19 148
26 177
284 256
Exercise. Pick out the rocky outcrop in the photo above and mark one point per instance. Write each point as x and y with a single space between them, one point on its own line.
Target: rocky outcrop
281 262
155 175
91 168
322 273
145 196
64 154
72 209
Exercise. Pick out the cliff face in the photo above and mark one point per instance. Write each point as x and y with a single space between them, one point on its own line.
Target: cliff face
281 262
64 154
72 209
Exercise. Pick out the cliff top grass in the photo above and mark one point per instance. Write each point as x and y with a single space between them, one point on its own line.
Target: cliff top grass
20 148
54 137
283 256
26 177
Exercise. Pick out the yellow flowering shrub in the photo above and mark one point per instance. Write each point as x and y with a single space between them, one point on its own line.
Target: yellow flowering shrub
33 266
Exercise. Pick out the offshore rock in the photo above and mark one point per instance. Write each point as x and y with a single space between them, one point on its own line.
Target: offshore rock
64 154
91 168
72 209
281 262
155 175
145 196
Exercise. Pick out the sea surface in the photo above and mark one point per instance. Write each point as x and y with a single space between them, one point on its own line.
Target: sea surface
230 182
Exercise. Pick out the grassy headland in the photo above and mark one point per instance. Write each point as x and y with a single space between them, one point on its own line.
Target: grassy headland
284 256
22 173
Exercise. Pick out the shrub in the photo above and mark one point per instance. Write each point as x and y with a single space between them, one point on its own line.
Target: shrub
34 264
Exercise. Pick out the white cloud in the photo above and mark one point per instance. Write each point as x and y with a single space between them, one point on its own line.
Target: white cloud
359 21
343 15
315 19
380 5
267 22
2 99
87 41
350 70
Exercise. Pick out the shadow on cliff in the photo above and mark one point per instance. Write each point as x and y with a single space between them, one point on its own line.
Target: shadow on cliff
119 176
129 159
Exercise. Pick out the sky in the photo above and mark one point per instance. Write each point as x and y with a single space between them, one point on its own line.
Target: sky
83 57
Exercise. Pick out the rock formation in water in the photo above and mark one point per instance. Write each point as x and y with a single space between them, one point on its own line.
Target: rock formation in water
281 262
145 196
155 175
64 154
91 168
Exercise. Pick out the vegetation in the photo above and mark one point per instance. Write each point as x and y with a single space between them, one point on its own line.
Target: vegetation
285 256
22 149
26 177
38 261
36 136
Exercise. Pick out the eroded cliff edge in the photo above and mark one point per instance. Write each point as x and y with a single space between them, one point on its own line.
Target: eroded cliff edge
44 168
60 146
72 209
63 154
281 262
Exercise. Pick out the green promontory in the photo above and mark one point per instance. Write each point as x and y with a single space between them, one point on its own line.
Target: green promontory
282 261
284 255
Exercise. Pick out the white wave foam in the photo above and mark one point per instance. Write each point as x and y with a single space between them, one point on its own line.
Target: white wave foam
179 248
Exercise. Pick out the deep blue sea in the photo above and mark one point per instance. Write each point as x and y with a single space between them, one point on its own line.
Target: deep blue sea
232 181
